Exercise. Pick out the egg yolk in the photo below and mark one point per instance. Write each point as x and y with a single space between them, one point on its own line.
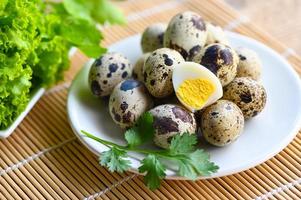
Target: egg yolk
195 92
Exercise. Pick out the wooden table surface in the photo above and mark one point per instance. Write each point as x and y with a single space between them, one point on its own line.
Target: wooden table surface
281 18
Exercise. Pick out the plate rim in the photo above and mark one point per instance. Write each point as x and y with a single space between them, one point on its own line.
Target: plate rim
259 160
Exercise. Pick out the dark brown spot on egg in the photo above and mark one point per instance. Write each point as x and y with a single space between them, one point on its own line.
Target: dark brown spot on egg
152 82
167 60
198 23
122 66
126 118
116 115
109 75
241 57
181 50
124 74
226 56
245 97
182 114
214 113
96 89
165 75
105 82
144 76
210 58
113 67
165 125
124 106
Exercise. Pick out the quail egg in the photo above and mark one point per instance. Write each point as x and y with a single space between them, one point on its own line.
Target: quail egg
221 59
186 33
215 34
170 120
249 95
128 101
107 71
249 64
221 123
152 37
139 67
158 71
196 86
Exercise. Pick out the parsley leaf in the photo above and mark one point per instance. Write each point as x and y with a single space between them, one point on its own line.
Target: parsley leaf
114 160
154 169
183 143
142 132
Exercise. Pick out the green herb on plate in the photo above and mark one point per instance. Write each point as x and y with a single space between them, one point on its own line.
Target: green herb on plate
35 38
191 162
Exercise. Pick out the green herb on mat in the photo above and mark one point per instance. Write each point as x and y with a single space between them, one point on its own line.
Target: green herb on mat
191 162
35 37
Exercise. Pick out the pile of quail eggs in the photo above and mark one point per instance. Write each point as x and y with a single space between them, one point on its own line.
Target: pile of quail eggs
185 49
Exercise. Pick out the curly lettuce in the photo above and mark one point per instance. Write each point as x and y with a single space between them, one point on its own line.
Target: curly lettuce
35 38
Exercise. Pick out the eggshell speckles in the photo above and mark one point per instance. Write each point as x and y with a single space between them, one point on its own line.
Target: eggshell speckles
170 120
128 101
138 69
249 63
247 94
220 59
222 123
158 71
107 71
152 37
186 33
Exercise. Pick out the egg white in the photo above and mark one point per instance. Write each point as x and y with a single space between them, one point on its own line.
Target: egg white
191 70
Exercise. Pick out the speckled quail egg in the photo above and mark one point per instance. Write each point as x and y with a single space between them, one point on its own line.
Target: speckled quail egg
221 123
196 86
215 34
170 120
186 33
158 71
107 71
128 101
249 64
152 37
249 95
139 67
221 59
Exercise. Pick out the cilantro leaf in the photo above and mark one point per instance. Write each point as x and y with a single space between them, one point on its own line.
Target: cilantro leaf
183 143
154 169
142 132
114 160
201 162
196 164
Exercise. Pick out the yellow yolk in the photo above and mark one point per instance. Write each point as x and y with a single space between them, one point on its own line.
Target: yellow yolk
195 92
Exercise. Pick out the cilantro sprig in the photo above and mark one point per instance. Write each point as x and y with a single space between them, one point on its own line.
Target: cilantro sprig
191 162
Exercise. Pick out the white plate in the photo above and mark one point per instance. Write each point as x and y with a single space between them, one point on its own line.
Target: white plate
263 136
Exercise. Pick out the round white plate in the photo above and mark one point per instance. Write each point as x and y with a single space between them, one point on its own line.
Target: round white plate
263 136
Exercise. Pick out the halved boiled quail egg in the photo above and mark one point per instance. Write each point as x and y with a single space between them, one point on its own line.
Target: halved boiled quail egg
196 87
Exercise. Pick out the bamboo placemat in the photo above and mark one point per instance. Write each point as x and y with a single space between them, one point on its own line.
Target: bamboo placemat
43 159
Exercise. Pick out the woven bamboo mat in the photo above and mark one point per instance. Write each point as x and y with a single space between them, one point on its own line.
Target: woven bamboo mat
44 160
